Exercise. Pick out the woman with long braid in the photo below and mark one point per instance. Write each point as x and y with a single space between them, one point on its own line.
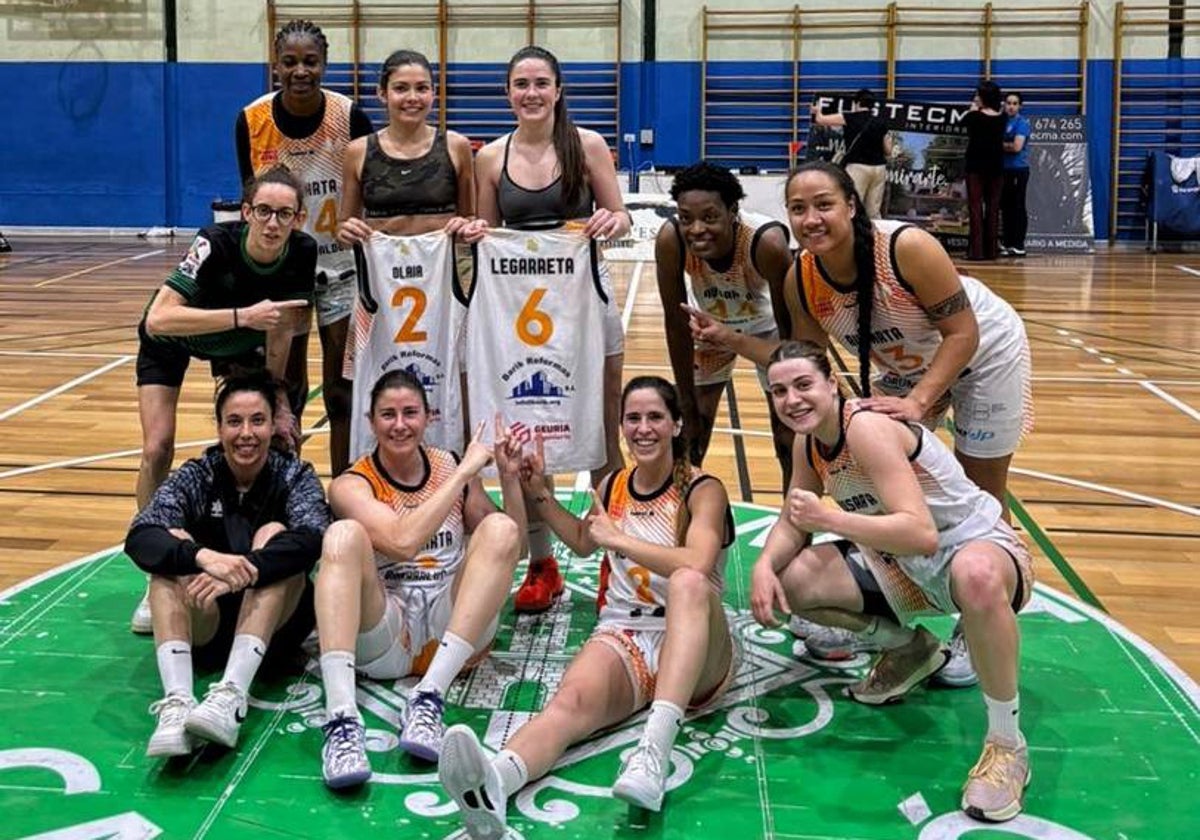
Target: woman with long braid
888 292
662 639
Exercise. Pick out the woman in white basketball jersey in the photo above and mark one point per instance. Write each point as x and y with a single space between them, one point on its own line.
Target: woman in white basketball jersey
940 340
414 573
662 638
547 172
918 537
306 128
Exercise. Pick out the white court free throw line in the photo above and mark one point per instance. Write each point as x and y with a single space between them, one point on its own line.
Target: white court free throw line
1189 270
66 386
1167 398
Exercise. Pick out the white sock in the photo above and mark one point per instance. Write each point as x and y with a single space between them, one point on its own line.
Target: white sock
662 725
1004 720
337 674
244 658
175 667
888 633
512 771
452 654
539 541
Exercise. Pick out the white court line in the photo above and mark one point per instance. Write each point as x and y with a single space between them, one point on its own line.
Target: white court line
82 272
149 254
631 295
66 386
1167 398
1101 488
1189 270
63 354
124 453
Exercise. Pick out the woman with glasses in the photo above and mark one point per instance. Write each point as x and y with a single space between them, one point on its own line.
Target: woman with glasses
233 300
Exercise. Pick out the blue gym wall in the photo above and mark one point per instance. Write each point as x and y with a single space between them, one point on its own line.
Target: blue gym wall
132 141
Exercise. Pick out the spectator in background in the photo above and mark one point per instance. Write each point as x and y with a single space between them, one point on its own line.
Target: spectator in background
1016 178
868 147
985 169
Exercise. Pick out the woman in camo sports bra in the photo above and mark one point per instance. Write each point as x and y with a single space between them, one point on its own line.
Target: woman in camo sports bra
547 172
410 178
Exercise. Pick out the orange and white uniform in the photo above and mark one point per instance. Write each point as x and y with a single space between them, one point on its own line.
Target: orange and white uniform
419 591
739 297
962 513
992 399
632 600
316 161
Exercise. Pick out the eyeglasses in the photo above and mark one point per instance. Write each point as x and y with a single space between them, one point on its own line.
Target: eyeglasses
264 212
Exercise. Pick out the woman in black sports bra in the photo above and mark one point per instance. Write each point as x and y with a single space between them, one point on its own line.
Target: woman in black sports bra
410 178
543 174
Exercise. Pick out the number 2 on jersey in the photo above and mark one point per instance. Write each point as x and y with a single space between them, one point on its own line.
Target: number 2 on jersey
530 317
408 332
641 576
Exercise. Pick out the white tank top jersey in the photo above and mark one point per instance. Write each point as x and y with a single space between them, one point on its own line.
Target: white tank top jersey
631 596
738 297
317 161
409 315
535 343
903 338
439 559
961 510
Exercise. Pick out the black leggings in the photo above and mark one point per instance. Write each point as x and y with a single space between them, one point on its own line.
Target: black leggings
1012 208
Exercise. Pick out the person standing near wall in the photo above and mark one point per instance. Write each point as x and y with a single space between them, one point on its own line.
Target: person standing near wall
1016 178
868 147
306 128
985 169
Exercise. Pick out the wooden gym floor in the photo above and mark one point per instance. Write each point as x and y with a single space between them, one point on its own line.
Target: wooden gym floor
1108 485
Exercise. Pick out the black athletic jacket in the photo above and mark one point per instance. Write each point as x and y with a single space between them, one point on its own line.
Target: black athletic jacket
202 499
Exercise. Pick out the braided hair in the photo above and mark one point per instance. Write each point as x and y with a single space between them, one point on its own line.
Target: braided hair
864 260
567 145
681 471
305 28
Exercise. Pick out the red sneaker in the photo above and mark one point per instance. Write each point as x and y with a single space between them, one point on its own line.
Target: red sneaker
543 583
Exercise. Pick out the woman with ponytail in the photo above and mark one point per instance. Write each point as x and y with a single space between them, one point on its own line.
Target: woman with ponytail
543 174
889 293
662 634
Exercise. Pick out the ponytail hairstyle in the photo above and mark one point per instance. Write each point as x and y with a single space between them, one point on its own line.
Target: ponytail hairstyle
402 58
864 260
255 381
278 174
681 470
400 380
567 145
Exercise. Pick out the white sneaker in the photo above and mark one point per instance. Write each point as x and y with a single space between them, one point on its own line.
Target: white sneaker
423 729
468 776
835 644
219 716
801 627
959 671
170 737
643 778
344 755
140 622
